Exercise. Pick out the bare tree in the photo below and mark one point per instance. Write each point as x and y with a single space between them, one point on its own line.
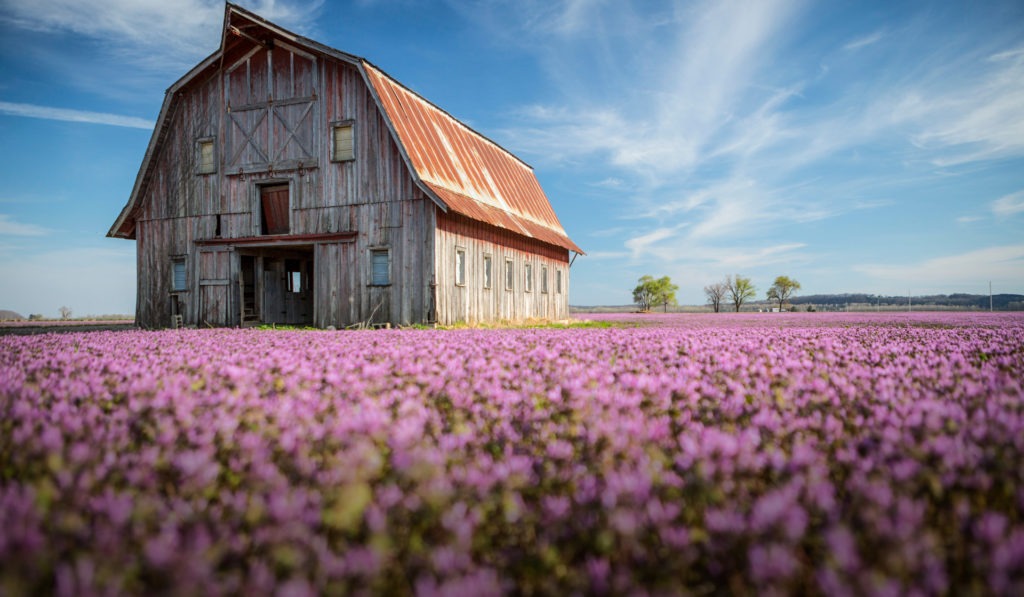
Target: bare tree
65 313
716 293
740 289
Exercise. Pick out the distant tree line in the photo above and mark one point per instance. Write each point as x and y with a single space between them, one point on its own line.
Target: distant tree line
1000 302
735 291
738 290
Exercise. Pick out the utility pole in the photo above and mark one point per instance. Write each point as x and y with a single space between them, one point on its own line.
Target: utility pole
909 309
990 296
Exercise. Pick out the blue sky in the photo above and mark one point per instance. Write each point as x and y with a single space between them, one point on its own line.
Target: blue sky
855 146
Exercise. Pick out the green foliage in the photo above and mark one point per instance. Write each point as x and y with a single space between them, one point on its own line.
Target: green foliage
740 290
782 289
650 292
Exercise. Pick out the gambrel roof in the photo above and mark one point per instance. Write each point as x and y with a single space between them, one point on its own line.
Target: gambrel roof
457 167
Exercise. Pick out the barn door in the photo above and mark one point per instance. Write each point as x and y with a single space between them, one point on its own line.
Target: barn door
274 208
214 289
271 109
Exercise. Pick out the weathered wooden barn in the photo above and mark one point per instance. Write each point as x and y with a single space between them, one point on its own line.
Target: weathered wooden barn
288 182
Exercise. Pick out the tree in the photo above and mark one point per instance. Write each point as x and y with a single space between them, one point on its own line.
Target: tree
716 293
782 289
650 292
65 313
740 289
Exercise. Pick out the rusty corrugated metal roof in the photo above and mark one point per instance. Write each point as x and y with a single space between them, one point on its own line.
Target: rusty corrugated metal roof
471 174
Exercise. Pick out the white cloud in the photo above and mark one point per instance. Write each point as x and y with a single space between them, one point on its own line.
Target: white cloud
160 33
1003 264
65 114
979 118
1009 205
9 227
862 42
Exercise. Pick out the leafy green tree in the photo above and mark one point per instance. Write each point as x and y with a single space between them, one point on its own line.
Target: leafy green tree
650 292
740 290
782 289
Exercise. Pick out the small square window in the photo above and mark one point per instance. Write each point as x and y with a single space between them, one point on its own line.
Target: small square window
207 156
529 277
460 267
380 274
510 275
178 279
487 271
343 142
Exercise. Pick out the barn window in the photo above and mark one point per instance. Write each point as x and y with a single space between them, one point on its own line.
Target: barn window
529 277
343 142
293 275
558 281
460 267
380 267
178 279
207 156
544 279
509 274
487 271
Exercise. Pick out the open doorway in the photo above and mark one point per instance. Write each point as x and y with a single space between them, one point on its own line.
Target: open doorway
276 286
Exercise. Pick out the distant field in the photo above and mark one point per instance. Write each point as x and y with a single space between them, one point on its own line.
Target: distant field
26 327
754 453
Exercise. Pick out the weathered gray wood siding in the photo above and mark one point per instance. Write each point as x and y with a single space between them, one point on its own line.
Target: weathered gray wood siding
270 112
472 302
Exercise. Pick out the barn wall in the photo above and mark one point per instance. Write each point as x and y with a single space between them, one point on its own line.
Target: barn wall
472 302
270 113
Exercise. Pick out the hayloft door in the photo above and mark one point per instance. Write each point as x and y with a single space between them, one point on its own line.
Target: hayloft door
274 209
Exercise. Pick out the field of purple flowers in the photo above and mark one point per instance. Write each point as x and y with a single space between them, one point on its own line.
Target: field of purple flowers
839 454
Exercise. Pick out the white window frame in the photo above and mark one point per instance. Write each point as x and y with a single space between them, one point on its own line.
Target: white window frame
558 281
488 270
510 274
373 252
351 125
528 276
543 279
460 266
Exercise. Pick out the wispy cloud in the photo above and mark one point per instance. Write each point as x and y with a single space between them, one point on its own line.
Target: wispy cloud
979 117
1009 205
862 42
1003 264
65 114
719 133
158 33
10 227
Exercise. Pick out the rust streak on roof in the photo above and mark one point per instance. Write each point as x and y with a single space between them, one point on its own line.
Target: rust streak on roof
471 174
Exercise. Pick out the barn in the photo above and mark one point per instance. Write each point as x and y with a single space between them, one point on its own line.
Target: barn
287 182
